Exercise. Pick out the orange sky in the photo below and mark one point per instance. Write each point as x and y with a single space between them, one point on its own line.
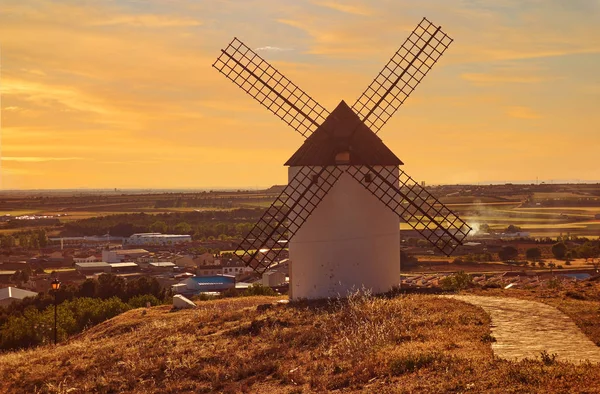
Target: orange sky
105 94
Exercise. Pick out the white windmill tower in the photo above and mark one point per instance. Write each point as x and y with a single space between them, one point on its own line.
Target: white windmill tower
340 212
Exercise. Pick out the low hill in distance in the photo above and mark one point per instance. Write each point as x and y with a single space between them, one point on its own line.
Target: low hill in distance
413 343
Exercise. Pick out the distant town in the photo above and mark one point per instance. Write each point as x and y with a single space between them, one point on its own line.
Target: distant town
80 236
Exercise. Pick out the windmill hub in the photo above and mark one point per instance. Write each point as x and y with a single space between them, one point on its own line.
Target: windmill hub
340 212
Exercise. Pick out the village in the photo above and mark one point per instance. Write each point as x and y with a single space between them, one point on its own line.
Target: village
190 268
164 257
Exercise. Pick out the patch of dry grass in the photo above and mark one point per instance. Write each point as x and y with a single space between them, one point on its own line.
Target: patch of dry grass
405 344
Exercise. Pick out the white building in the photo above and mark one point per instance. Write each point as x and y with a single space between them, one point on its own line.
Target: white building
88 259
351 241
121 255
273 278
92 268
235 268
157 239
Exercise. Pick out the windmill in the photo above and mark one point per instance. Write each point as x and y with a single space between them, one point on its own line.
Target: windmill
340 212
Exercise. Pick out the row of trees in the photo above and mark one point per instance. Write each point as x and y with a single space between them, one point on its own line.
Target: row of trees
587 250
30 239
200 225
560 250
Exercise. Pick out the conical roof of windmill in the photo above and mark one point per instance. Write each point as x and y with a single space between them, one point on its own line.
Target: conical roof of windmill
343 139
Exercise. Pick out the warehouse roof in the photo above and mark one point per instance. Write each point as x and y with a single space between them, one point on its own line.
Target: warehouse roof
15 293
96 264
122 265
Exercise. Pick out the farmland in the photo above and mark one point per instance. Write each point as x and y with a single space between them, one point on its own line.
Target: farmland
541 210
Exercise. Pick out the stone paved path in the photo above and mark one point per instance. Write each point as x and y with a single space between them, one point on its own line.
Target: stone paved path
523 329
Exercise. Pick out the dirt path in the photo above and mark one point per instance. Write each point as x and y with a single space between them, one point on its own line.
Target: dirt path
523 329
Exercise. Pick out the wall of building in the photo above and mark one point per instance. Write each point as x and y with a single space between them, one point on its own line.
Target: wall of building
350 242
157 239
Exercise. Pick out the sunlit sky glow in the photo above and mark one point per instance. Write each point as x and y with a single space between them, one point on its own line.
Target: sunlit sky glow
103 94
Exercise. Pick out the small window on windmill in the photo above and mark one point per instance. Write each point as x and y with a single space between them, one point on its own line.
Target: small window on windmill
342 157
368 178
315 179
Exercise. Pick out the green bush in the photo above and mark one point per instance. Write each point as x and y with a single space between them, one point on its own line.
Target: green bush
257 289
140 301
35 327
456 282
205 297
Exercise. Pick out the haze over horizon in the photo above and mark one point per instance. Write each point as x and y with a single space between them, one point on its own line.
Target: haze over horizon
121 94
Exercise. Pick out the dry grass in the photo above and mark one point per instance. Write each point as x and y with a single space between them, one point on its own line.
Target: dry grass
405 344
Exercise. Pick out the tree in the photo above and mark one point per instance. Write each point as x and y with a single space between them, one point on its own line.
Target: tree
183 228
42 238
24 241
533 254
111 286
508 253
8 241
159 227
122 230
89 288
513 229
587 250
559 250
143 286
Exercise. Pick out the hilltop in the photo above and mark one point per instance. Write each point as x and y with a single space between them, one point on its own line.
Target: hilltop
411 343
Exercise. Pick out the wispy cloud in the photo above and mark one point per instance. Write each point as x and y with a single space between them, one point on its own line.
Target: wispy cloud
491 79
148 20
354 9
38 159
273 49
520 112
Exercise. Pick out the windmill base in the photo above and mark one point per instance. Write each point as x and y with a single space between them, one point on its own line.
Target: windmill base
350 243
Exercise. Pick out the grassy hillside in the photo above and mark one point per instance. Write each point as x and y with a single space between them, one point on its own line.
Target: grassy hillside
406 344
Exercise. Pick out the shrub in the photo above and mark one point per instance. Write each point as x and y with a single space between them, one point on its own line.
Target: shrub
256 289
231 292
554 283
575 295
140 301
412 362
204 297
548 359
456 282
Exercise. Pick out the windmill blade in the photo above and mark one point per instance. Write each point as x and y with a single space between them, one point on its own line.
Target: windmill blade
270 236
401 75
270 88
414 205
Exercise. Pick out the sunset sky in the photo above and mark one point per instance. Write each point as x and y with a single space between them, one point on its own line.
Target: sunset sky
115 93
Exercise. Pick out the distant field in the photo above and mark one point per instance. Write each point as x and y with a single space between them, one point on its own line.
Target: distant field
19 212
495 205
